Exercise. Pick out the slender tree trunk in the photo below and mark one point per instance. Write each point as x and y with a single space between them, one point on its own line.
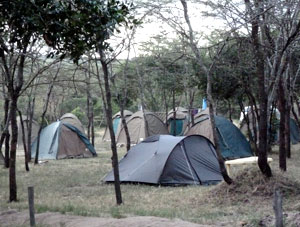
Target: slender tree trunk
6 136
124 124
282 146
13 150
24 142
174 114
287 119
31 106
230 110
108 111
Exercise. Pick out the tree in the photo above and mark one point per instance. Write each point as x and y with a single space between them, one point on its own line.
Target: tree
207 72
70 27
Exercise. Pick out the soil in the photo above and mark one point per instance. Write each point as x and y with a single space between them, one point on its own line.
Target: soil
15 218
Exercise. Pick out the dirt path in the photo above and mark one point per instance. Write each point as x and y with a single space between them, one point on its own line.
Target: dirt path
14 218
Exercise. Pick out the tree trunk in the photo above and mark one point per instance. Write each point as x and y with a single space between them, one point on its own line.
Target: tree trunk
263 98
287 119
282 146
13 150
31 106
124 124
24 141
108 112
194 48
230 110
173 123
5 134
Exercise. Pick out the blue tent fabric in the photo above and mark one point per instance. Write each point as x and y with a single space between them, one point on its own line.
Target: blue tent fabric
116 123
294 131
50 145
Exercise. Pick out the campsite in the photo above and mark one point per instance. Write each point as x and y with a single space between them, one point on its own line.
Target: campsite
74 187
149 113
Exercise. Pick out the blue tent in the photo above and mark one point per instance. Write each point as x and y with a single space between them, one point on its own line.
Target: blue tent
62 140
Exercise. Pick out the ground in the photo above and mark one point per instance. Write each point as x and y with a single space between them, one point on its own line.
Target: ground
15 218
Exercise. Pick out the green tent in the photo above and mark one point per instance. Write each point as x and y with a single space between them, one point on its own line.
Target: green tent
177 126
232 142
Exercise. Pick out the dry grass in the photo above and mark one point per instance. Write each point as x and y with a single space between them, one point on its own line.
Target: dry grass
75 187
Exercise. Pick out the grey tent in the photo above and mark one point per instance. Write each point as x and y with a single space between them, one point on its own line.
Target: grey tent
142 125
232 142
62 140
117 124
170 160
180 121
34 130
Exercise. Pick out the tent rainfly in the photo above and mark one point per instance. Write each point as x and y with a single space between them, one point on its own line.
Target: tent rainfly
142 125
170 160
63 140
117 124
177 126
232 142
72 120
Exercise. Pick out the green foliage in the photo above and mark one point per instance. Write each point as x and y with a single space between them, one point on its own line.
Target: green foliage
79 113
69 27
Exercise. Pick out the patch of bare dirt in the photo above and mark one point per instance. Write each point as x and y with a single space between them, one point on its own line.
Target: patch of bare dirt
14 218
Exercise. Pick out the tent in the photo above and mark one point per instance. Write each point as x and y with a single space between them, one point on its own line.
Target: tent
294 129
170 160
142 125
73 120
232 142
62 140
34 130
117 124
181 121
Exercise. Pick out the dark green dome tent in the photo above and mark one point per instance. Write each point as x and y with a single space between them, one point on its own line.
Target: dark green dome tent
170 160
232 142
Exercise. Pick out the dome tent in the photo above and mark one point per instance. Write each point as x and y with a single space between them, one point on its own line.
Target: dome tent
170 160
63 140
117 124
142 125
73 120
232 142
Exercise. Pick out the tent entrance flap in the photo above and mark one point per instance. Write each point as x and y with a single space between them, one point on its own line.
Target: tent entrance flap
179 127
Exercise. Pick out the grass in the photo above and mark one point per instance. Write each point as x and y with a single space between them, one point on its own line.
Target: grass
74 186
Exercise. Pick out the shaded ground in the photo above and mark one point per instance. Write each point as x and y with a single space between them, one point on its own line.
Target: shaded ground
14 218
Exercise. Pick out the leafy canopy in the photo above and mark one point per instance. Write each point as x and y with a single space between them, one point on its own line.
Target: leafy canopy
70 27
